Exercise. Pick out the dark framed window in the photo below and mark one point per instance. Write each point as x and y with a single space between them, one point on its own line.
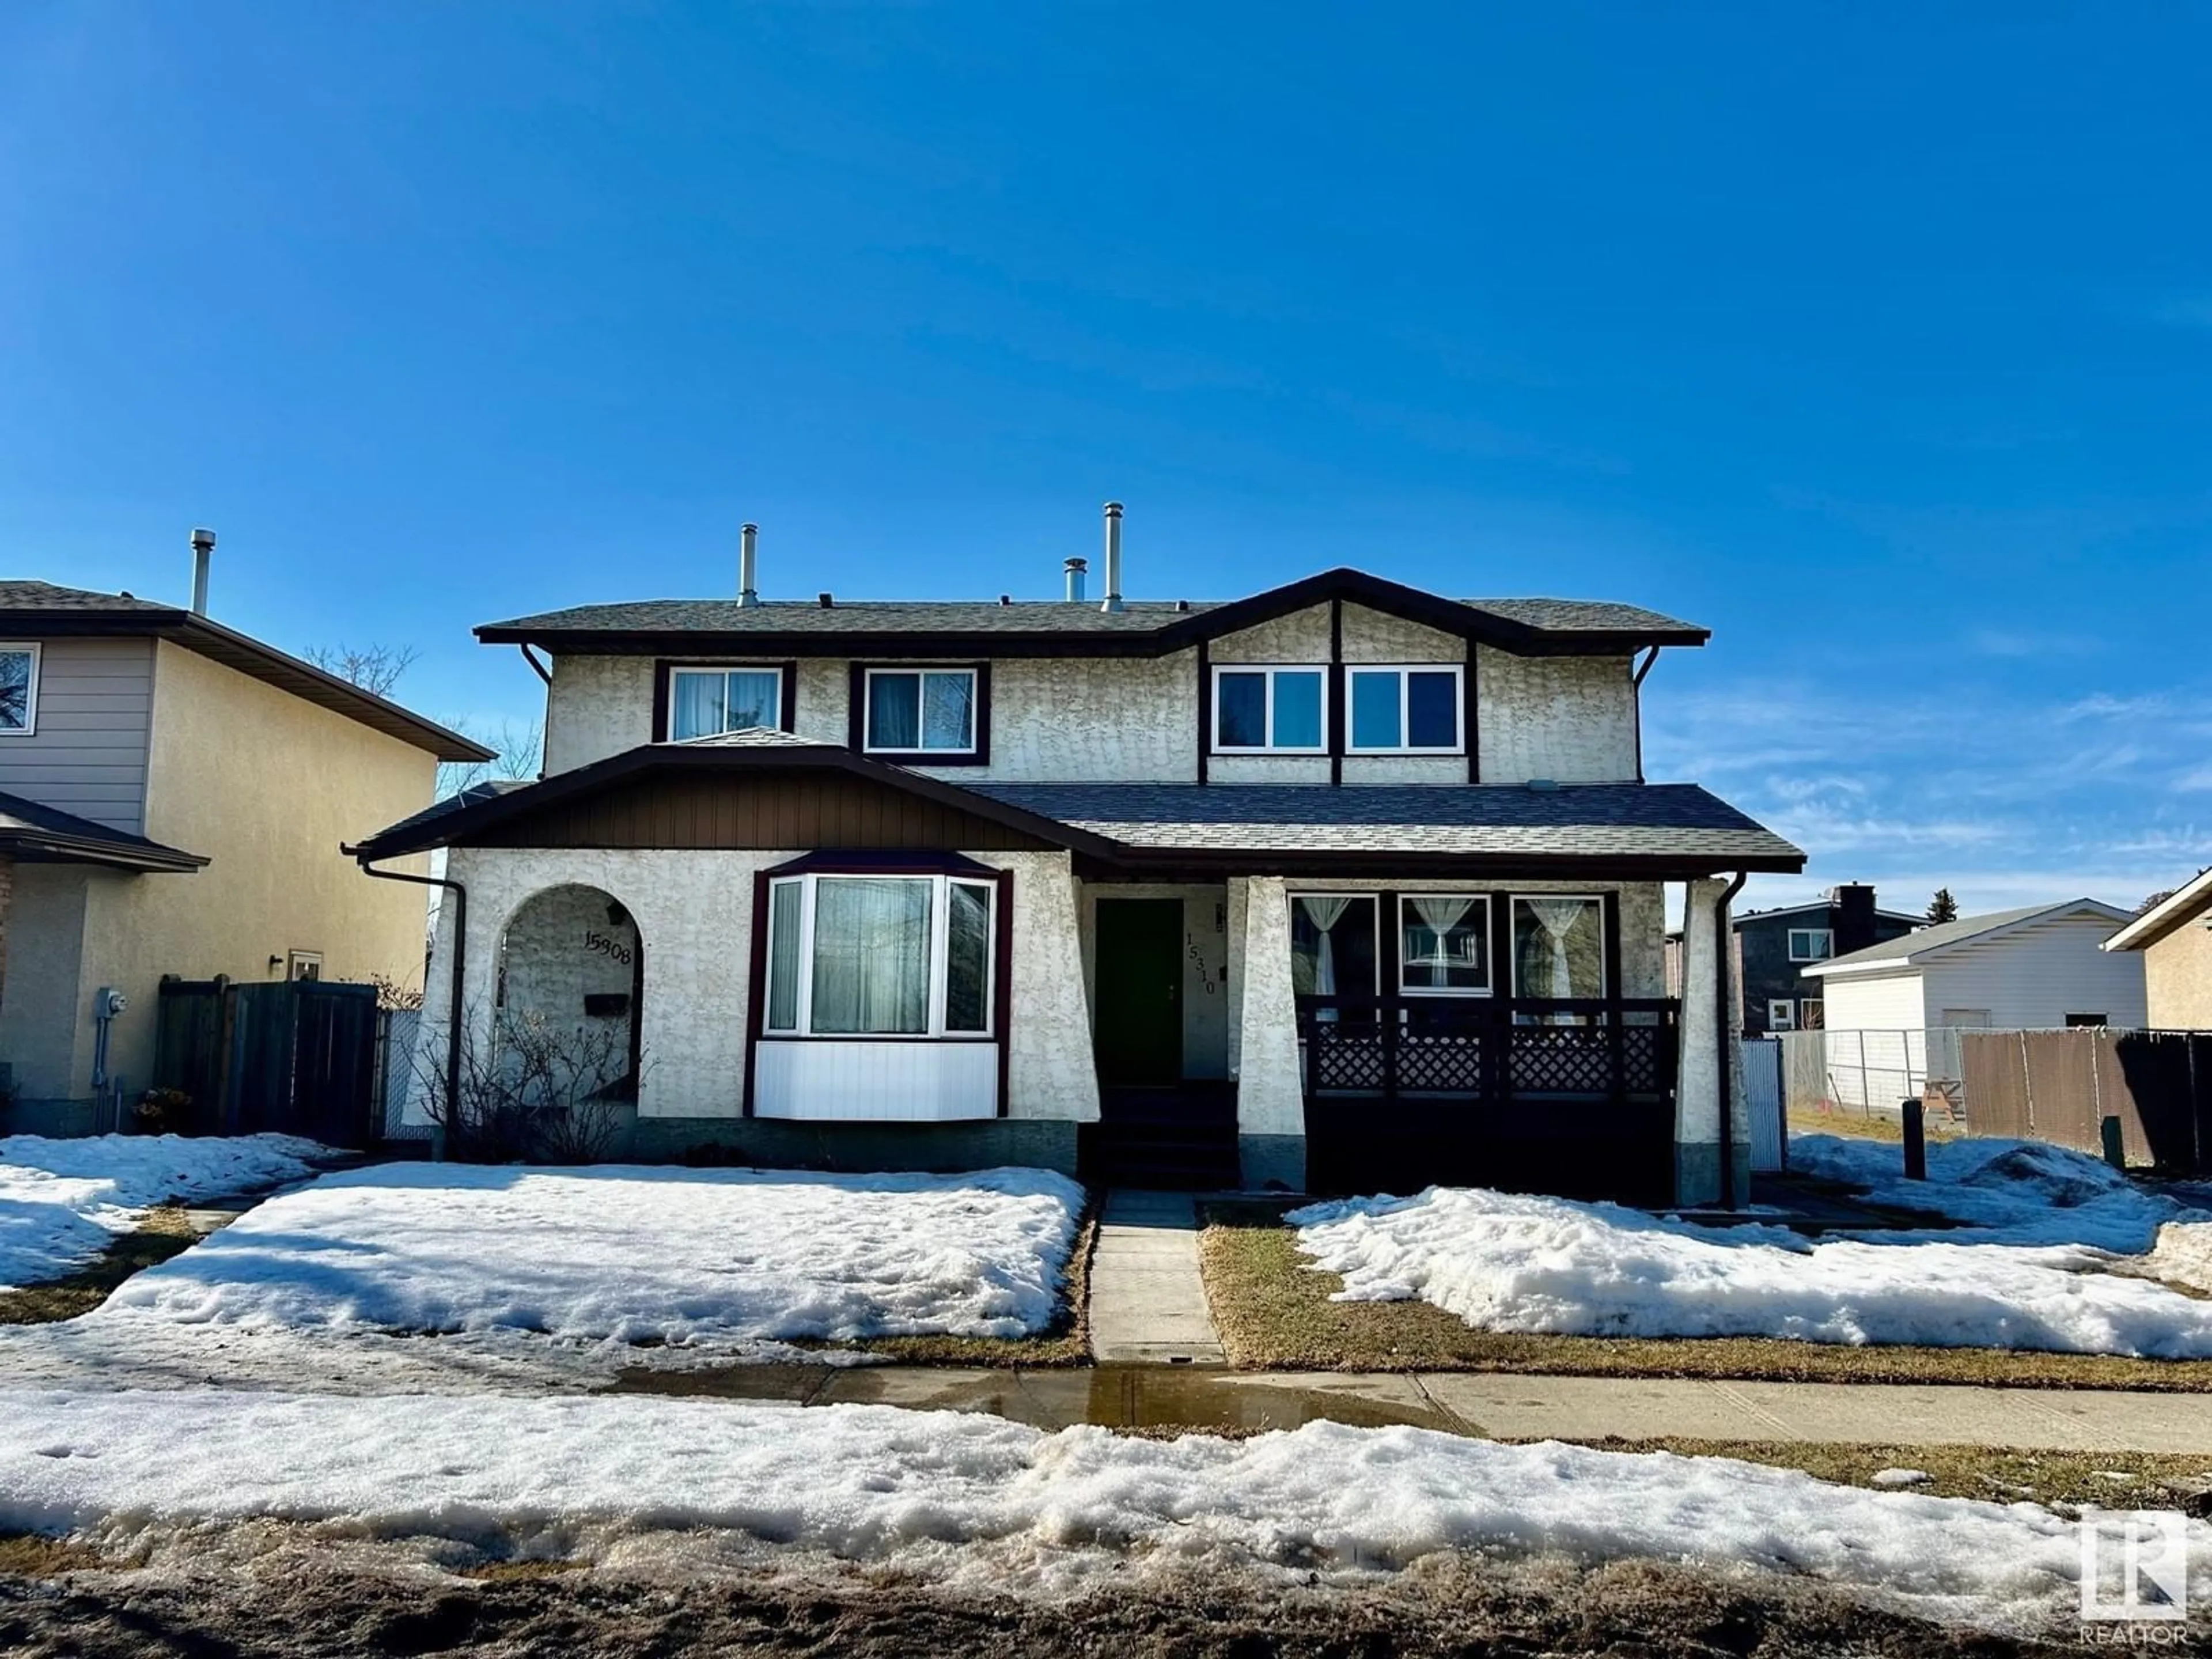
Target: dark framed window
1263 709
705 702
1409 710
920 711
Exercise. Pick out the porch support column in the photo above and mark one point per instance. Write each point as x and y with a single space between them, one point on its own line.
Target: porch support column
1271 1111
1704 1086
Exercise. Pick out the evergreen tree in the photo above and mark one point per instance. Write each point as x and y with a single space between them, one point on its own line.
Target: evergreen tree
1942 908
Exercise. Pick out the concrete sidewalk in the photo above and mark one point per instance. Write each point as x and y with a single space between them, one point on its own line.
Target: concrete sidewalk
1148 1301
1517 1407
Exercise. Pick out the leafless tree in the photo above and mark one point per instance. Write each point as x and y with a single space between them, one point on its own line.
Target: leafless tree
539 1089
374 668
519 752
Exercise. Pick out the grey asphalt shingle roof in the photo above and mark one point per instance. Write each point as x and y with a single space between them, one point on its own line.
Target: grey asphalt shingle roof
28 824
16 594
1908 947
1631 819
988 617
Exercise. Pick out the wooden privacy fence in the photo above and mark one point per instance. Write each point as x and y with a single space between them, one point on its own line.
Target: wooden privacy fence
2059 1086
289 1057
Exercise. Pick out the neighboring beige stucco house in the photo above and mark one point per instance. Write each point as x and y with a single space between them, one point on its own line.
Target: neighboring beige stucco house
2174 939
172 798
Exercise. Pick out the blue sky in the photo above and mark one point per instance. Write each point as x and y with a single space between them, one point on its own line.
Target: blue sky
1879 344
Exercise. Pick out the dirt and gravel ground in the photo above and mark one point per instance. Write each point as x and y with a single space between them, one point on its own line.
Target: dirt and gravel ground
307 1596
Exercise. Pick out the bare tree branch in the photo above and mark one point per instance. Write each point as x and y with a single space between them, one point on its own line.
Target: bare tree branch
374 668
519 759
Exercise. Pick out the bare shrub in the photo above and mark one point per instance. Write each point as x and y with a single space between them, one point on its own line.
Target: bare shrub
541 1090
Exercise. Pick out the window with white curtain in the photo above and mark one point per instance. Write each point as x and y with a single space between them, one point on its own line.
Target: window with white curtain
880 956
704 702
1444 945
1332 944
1558 947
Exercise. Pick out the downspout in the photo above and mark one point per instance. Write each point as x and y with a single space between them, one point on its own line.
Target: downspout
1721 952
1635 703
546 674
460 958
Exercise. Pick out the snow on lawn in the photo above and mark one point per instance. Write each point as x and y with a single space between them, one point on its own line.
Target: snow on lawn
1503 1262
2009 1192
62 1201
991 1502
631 1253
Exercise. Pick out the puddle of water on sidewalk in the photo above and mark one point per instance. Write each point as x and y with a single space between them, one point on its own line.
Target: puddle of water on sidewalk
1142 1397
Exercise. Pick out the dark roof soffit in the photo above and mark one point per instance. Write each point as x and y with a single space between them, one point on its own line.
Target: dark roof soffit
1174 631
212 640
447 828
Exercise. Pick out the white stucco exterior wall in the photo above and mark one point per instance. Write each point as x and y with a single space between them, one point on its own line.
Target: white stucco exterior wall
1375 637
596 707
1270 1100
693 912
1572 719
1096 719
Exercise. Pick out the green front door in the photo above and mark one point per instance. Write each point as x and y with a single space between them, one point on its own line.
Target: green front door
1139 1038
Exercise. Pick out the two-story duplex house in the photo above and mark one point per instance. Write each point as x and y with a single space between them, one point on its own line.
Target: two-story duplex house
1341 886
173 795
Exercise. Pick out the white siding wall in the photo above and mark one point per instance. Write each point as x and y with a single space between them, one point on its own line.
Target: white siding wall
818 1081
87 752
1874 1002
2032 979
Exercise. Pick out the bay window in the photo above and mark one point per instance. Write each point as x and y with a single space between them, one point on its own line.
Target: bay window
704 702
1281 711
1404 711
880 956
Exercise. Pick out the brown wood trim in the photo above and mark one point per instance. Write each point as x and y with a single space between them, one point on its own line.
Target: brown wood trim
1616 1041
788 703
1502 984
1205 705
756 986
857 723
659 731
1335 680
1470 709
1002 987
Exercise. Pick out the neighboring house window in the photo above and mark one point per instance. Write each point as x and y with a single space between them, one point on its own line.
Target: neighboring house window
880 956
920 711
1270 711
704 702
1404 711
19 691
1444 945
303 964
1972 1019
2087 1020
1558 947
1781 1016
1811 944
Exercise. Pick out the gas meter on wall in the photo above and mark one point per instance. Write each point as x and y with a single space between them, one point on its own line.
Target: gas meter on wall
108 1003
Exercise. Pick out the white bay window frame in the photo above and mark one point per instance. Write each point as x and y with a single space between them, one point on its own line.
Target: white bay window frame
801 1027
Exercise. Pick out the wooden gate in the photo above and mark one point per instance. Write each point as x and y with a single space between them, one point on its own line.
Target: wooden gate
289 1057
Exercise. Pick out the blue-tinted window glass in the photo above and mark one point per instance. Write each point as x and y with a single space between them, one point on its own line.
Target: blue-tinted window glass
1242 717
754 695
1432 711
1375 710
695 705
1297 711
948 711
893 711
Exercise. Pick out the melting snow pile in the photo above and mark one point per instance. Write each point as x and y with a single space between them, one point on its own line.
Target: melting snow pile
990 1503
632 1253
2026 1276
62 1201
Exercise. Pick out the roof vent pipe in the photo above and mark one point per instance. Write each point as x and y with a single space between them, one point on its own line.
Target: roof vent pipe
203 549
748 565
1073 568
1113 599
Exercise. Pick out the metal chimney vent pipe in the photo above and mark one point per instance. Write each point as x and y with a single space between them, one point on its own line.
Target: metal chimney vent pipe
203 549
748 565
1074 569
1113 599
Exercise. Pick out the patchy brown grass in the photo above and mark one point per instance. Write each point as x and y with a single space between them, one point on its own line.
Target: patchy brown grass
161 1232
1274 1313
1065 1342
2059 1480
27 1555
1869 1126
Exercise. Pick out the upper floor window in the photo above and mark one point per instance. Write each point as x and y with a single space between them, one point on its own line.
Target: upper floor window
1811 944
1270 710
19 691
704 702
1405 711
920 711
880 956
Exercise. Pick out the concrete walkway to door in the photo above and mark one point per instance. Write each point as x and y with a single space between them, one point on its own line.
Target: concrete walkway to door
1148 1301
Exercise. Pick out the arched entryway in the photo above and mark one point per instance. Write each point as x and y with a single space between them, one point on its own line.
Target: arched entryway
571 981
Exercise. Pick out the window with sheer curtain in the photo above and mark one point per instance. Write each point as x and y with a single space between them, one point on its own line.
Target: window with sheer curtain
1444 943
704 702
1558 947
1332 944
920 711
880 956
